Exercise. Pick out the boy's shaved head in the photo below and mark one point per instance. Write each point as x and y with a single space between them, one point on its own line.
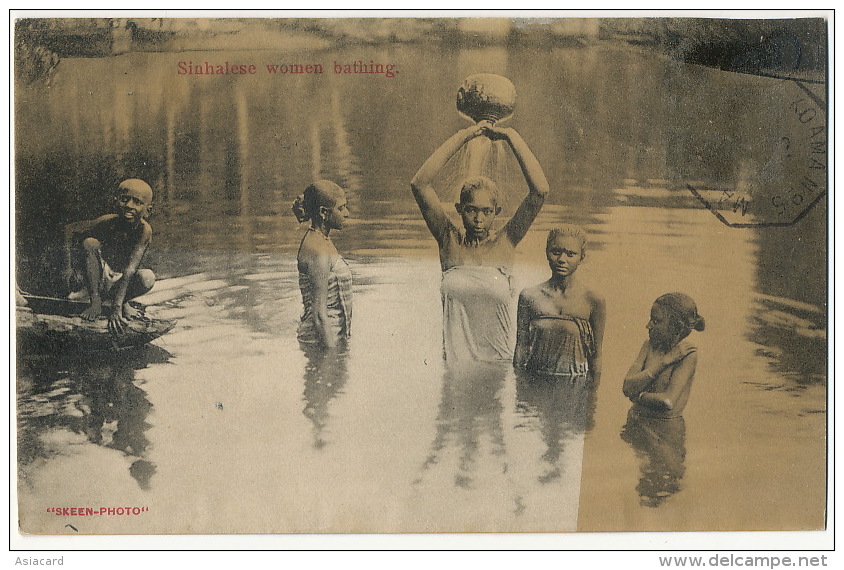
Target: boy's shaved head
137 185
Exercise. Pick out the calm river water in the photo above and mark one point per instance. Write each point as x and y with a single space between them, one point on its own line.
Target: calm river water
226 425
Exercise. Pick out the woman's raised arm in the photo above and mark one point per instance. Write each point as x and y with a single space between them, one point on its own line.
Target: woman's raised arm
519 224
422 184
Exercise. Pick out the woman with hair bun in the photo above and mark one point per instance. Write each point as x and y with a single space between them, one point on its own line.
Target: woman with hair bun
324 277
660 380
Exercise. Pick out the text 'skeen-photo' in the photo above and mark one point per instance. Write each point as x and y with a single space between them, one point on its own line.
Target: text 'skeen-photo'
401 275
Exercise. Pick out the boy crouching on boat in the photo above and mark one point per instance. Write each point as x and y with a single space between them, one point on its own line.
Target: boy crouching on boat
107 252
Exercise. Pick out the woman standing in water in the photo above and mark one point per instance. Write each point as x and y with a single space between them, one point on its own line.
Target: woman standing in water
659 384
660 380
324 277
477 261
560 323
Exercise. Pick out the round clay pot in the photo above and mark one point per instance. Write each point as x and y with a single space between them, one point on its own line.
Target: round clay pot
486 96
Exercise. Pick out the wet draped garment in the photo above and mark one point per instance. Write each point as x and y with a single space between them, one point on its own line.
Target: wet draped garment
339 304
477 295
558 345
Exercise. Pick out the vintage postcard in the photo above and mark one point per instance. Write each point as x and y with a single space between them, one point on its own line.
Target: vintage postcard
518 273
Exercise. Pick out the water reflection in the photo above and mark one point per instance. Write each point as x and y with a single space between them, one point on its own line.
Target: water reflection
469 442
790 311
95 395
325 375
660 447
564 409
792 335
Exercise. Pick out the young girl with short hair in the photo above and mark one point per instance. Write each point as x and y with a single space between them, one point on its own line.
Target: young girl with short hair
660 380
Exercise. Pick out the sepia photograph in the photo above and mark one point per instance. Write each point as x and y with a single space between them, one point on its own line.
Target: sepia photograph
420 273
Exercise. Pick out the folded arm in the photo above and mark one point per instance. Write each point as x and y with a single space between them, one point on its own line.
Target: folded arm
681 376
638 379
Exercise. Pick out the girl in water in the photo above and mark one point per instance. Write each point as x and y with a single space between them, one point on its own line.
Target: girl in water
660 380
324 277
476 261
560 323
658 384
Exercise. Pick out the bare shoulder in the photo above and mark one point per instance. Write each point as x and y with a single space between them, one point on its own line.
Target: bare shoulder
87 225
687 346
105 219
531 294
108 221
316 250
595 298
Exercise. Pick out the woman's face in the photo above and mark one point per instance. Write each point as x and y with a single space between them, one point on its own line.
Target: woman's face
337 215
478 213
564 255
660 330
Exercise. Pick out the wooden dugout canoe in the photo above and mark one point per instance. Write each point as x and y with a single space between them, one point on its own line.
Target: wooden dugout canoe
55 325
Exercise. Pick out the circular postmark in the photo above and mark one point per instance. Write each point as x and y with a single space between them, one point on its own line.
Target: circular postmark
789 176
